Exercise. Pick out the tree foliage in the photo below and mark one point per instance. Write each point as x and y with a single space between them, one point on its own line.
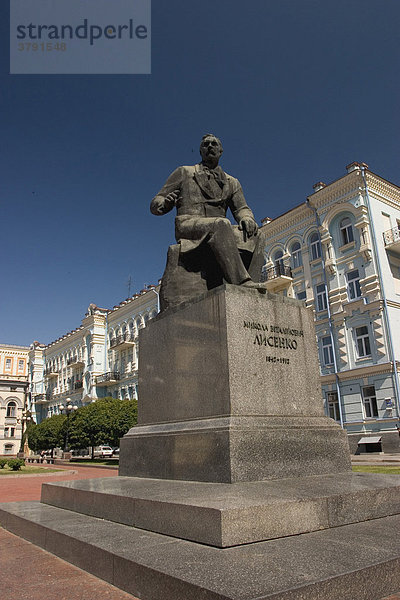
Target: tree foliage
48 434
102 422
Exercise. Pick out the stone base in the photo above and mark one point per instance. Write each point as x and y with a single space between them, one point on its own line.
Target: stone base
233 449
359 561
225 515
230 391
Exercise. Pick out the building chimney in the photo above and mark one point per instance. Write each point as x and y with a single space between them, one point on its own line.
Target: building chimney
355 166
318 186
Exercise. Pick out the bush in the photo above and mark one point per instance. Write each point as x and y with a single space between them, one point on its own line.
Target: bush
3 462
15 463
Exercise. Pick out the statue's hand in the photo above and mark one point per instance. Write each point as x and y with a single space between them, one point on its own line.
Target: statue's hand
161 205
249 226
171 198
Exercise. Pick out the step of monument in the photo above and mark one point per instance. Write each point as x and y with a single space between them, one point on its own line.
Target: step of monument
353 561
226 515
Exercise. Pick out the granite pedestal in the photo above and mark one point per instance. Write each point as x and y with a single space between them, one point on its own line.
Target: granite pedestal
234 485
229 391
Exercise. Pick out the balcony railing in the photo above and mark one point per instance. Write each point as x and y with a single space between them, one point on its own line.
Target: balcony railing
108 378
50 373
75 360
392 237
276 271
126 339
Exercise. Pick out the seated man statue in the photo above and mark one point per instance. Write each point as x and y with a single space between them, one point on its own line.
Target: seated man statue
210 250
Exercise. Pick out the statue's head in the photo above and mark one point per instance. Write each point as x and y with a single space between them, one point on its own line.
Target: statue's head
210 148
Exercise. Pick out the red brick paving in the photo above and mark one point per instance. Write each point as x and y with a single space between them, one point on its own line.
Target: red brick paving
20 488
30 573
25 569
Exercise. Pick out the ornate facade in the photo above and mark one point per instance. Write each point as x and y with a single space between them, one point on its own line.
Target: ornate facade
13 384
97 359
340 252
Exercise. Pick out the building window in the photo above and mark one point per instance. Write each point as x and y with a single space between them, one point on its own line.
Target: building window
321 299
363 344
21 365
353 285
11 409
346 231
8 365
8 449
278 259
369 400
327 350
333 406
296 255
315 246
9 432
301 295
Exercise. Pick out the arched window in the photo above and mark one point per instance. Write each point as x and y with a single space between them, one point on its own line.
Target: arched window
11 409
315 246
346 231
296 255
278 260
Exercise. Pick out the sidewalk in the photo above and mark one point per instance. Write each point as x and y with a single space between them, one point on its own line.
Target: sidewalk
30 573
386 460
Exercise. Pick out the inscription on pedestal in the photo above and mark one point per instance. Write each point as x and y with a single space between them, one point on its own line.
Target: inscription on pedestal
274 336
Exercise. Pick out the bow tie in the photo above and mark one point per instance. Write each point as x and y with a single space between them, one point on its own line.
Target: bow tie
216 173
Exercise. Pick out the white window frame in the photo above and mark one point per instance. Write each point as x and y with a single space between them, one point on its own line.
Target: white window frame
9 432
11 411
321 297
315 246
353 285
332 401
297 259
8 448
362 341
327 351
369 402
346 231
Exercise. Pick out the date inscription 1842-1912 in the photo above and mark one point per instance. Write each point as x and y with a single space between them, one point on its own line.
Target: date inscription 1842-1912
274 336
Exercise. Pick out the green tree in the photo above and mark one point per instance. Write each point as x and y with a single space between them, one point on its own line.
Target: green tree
48 434
102 422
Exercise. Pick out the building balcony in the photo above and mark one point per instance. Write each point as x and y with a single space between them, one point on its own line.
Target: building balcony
277 278
392 239
50 373
42 398
78 385
107 379
75 361
123 341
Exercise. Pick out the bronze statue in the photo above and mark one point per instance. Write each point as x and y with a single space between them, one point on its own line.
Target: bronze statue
208 245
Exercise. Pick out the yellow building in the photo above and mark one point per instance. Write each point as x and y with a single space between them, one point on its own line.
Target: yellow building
13 384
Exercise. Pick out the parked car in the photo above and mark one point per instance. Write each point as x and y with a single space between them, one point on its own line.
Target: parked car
116 452
103 451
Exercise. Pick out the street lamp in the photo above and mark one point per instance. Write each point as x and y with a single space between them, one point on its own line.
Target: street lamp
26 418
68 409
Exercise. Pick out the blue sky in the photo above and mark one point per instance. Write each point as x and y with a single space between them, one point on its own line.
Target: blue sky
296 89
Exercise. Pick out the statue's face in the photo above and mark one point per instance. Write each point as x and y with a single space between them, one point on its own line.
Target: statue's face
210 148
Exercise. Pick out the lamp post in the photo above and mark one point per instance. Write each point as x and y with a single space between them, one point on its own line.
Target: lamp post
67 409
26 418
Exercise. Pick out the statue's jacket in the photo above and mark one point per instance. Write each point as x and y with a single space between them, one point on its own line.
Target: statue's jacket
199 201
